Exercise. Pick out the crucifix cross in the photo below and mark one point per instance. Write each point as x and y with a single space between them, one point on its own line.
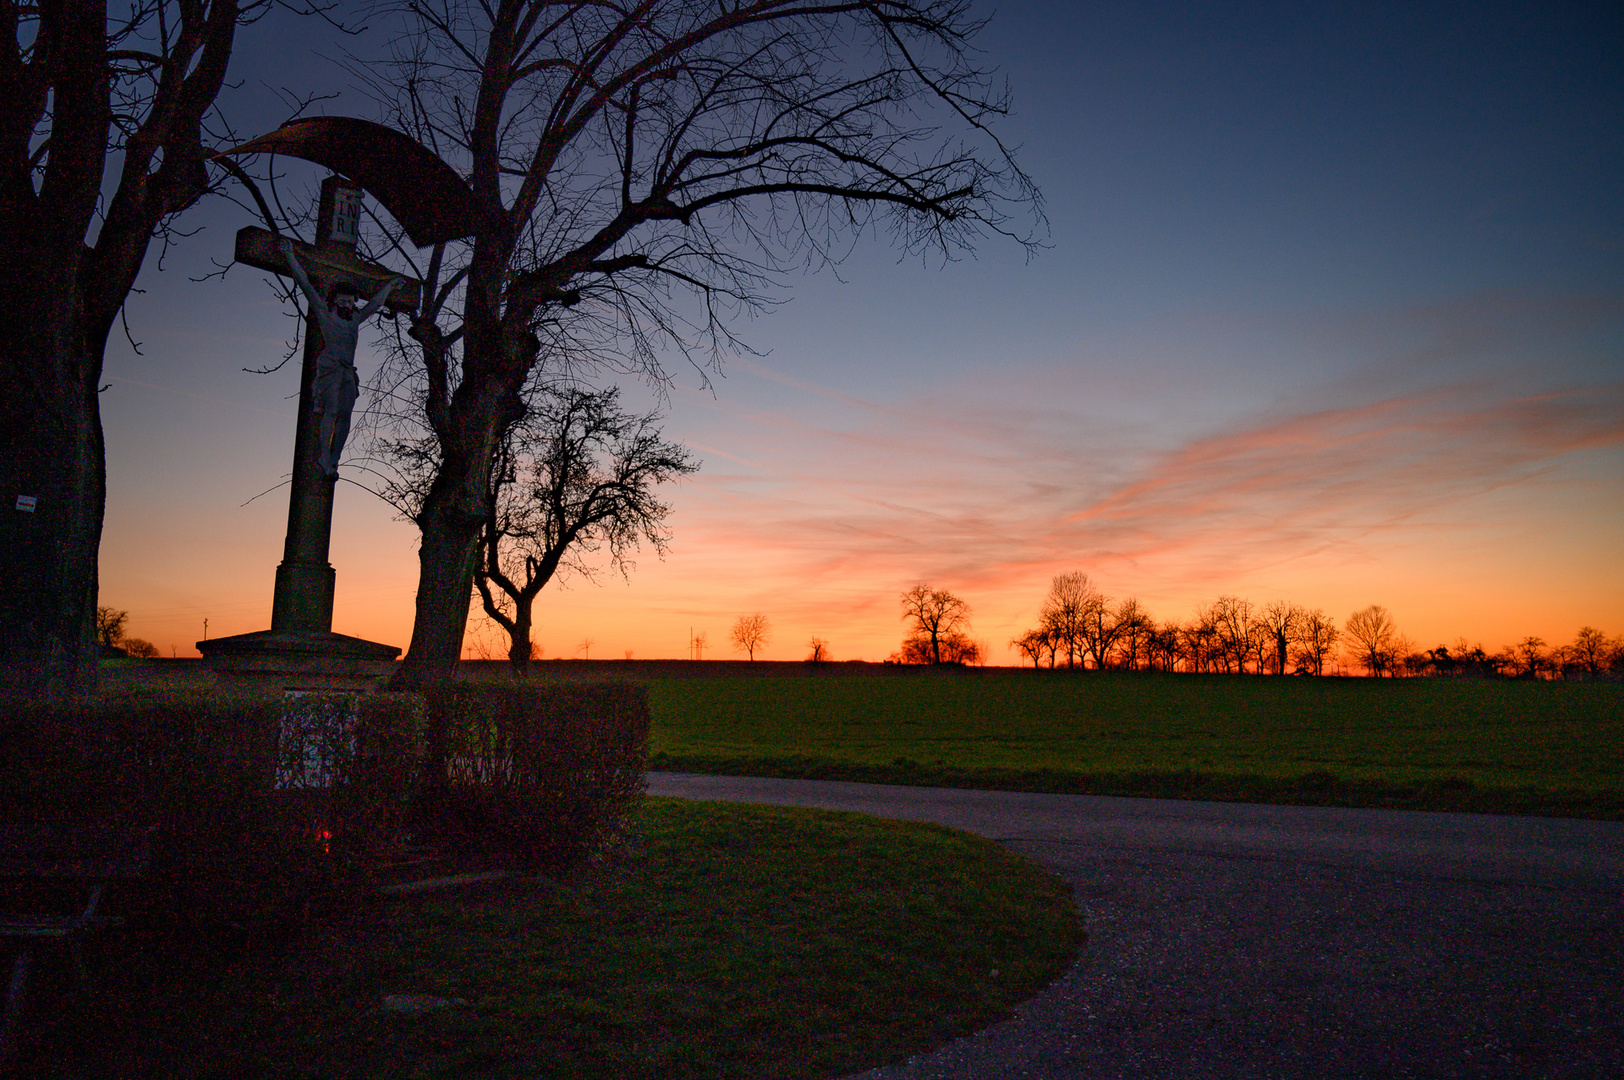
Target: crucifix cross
328 386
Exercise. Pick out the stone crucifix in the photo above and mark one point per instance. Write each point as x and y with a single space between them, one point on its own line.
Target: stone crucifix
337 384
433 204
332 278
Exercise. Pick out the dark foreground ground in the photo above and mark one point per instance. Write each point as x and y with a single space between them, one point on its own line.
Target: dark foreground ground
1235 940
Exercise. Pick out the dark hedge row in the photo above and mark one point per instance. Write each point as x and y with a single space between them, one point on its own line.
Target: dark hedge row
259 805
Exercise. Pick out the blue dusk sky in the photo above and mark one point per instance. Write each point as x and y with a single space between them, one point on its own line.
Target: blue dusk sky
1331 310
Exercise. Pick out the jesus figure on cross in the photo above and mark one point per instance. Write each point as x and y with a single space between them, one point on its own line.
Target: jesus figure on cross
336 385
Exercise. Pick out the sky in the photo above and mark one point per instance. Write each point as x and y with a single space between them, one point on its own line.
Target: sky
1331 311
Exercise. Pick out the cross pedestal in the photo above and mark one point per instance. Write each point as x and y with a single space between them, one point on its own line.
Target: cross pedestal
300 650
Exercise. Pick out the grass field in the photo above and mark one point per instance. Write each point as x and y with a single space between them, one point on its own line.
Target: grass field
1499 747
1547 748
728 942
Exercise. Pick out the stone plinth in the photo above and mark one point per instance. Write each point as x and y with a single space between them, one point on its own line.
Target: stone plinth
299 660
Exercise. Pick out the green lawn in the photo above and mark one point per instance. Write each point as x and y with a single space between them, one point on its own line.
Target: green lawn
1422 743
726 941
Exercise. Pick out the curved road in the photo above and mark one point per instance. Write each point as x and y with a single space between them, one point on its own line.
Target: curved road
1239 940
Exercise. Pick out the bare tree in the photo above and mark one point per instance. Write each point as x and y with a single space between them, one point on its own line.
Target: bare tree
1232 623
1070 597
1133 625
936 616
1098 629
1409 659
1370 632
630 159
820 651
102 143
1282 622
1163 647
110 626
1530 656
751 633
1589 650
576 475
1201 649
1316 640
1031 645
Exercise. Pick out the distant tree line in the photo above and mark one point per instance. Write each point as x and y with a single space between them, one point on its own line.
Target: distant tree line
1080 627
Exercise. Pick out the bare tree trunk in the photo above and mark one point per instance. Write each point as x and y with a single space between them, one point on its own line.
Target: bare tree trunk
453 514
519 636
51 452
445 583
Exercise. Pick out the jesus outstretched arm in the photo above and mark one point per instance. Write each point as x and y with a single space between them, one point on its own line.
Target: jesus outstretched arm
318 305
378 300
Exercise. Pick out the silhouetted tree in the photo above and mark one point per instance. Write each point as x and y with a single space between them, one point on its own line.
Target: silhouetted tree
1316 639
1163 647
1099 629
1530 657
1061 617
1412 662
1440 662
936 615
140 648
110 626
576 475
1032 645
1403 656
1370 632
1465 661
102 142
631 157
751 633
1281 621
1615 658
1232 622
962 650
1201 649
820 651
1133 625
1589 651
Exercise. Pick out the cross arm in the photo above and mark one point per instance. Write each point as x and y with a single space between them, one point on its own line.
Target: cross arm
326 265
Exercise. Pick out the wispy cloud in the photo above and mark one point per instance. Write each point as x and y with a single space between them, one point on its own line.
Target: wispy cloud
1313 476
989 503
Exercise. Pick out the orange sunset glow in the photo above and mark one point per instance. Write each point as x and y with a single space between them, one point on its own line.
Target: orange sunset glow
1340 332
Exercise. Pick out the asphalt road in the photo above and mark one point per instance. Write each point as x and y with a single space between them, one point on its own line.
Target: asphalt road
1234 940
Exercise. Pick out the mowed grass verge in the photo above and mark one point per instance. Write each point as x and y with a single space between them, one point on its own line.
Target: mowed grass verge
725 941
1432 744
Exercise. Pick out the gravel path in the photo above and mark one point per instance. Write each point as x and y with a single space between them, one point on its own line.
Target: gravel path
1237 940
